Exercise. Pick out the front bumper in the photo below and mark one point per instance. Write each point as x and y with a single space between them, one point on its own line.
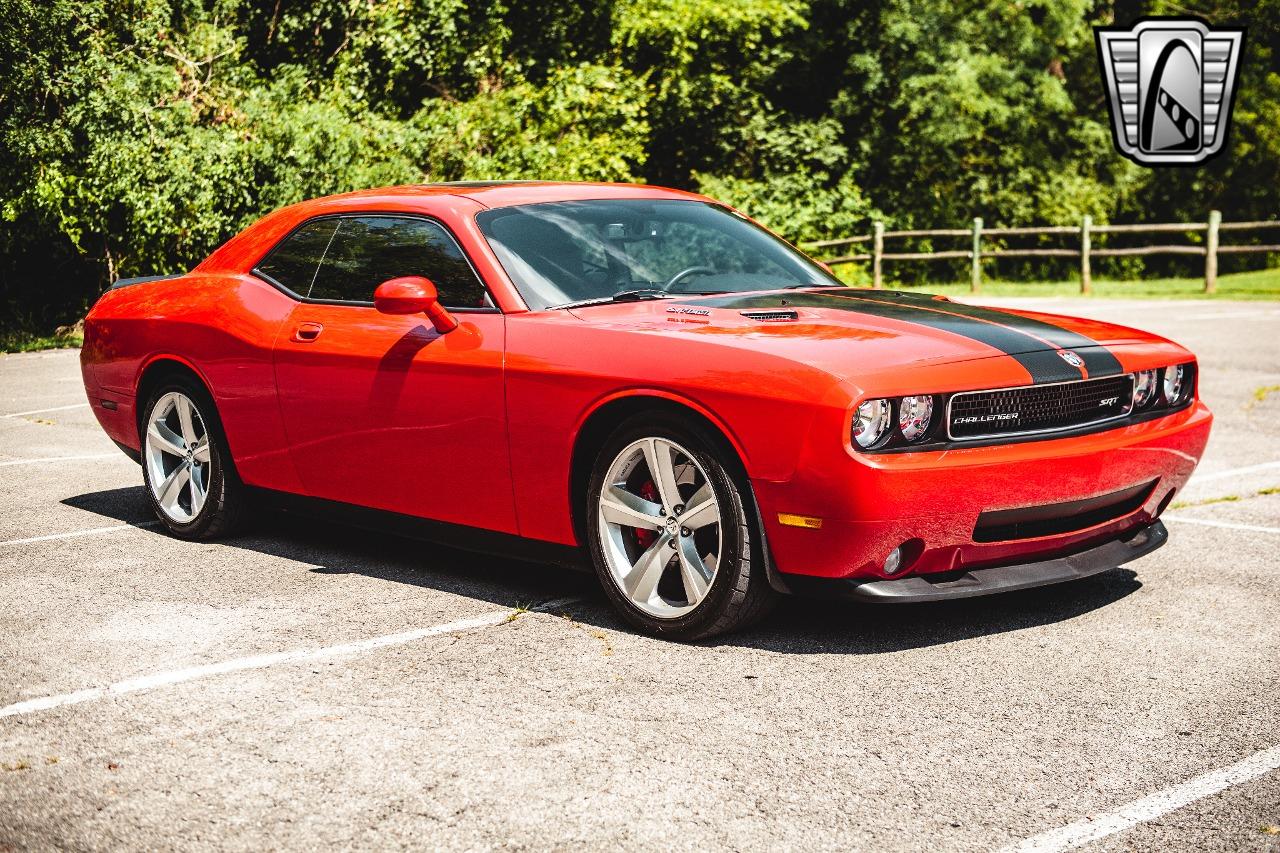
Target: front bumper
975 582
963 510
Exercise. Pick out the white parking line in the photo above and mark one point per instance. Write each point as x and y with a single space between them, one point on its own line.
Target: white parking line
42 411
74 534
60 459
1150 806
1197 477
1229 525
179 676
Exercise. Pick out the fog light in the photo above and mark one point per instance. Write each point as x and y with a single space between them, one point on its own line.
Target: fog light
893 562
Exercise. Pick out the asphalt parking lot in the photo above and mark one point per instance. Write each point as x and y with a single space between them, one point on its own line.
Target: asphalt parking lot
317 687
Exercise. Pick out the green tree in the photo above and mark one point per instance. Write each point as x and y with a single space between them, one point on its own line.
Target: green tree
138 134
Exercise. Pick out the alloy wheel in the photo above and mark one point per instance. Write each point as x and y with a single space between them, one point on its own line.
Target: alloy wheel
660 524
177 457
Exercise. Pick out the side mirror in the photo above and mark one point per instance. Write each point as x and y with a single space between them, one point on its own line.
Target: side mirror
413 294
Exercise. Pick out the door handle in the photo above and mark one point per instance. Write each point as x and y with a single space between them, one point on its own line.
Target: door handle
307 332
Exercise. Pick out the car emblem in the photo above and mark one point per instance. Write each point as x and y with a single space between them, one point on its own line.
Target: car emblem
1071 358
1170 84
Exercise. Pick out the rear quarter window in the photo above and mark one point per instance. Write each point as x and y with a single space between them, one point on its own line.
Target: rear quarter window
294 262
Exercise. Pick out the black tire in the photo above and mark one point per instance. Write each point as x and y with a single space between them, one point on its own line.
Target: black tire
740 594
225 508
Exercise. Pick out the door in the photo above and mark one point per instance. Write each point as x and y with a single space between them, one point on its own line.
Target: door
382 410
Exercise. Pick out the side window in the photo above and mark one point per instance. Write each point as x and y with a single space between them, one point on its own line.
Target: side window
368 250
294 262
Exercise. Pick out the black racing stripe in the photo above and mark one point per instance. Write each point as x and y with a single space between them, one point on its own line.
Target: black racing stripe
1097 358
1044 365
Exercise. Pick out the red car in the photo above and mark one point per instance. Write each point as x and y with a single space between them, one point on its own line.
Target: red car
646 377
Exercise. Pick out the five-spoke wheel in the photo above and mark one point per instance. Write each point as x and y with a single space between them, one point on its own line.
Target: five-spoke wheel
669 531
177 457
661 525
187 469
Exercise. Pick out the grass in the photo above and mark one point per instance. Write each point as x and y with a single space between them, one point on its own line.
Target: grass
1257 285
1260 394
517 612
26 342
1206 502
1272 490
606 648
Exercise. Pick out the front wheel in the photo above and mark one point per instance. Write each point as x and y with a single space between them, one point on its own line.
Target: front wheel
186 464
670 534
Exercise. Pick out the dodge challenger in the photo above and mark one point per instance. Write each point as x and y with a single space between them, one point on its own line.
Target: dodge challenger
646 382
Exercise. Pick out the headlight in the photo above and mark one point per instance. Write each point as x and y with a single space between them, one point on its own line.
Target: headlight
1144 387
1173 383
914 415
870 422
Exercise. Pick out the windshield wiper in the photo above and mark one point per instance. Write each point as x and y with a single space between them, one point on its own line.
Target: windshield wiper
624 296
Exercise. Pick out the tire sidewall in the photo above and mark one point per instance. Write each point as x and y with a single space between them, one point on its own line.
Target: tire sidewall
735 540
218 454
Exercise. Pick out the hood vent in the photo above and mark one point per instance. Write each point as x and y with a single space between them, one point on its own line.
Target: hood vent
772 316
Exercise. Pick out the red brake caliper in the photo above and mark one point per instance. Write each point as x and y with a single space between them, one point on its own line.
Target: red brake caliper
649 491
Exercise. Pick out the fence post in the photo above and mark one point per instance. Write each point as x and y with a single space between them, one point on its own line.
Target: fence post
1211 252
1086 245
975 264
877 249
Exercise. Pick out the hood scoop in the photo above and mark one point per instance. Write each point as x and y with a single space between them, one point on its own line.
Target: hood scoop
779 316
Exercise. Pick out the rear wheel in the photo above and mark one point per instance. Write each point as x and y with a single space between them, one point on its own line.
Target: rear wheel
670 534
186 464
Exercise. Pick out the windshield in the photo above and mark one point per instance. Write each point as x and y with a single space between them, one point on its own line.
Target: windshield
562 253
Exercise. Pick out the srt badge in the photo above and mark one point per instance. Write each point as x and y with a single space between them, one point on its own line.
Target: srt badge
1170 83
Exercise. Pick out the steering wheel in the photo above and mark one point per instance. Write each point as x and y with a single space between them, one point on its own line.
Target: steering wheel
685 273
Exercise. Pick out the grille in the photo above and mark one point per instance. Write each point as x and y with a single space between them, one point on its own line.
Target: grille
1052 519
1039 408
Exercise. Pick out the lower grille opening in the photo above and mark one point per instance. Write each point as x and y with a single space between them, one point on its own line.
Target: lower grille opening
1030 522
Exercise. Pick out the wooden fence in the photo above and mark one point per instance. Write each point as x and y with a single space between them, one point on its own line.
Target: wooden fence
1083 232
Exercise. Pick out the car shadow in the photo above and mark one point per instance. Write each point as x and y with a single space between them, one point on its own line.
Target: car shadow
805 625
832 626
328 548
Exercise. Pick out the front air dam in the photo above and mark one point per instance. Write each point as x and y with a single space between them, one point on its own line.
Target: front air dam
969 583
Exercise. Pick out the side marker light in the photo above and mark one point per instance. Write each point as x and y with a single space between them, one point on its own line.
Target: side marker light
789 520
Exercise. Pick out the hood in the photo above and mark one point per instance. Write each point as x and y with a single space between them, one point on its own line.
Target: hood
847 331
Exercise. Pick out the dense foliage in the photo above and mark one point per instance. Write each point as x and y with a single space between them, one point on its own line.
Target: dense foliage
138 134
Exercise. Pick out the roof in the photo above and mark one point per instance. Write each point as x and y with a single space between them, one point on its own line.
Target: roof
241 251
507 193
